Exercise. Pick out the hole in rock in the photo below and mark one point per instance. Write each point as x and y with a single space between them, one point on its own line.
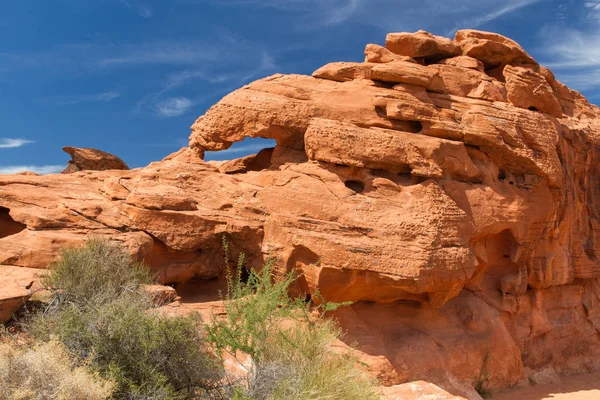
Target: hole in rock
496 72
356 186
501 176
250 154
387 85
399 125
415 126
9 226
532 108
500 266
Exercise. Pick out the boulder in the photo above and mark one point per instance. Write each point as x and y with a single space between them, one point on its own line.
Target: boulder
91 160
491 49
421 44
17 285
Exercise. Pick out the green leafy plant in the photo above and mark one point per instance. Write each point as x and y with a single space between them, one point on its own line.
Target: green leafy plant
289 341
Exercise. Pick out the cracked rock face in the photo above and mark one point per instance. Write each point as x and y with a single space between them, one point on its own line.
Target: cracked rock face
448 187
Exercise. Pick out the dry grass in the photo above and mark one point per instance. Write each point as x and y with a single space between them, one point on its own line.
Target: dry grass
46 372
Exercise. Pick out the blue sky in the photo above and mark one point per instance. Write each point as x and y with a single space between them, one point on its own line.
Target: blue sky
131 76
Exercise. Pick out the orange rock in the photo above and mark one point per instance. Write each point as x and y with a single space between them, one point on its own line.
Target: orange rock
17 285
405 72
462 223
490 48
91 160
375 53
528 89
161 295
464 62
344 71
420 45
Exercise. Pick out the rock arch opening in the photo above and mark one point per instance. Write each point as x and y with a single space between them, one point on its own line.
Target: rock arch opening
9 226
251 154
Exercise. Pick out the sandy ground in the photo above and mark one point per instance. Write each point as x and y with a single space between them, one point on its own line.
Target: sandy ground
577 387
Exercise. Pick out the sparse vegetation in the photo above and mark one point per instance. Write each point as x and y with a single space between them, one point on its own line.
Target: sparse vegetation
101 338
47 372
101 313
289 343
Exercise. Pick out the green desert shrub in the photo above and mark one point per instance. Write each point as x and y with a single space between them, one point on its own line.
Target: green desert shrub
102 314
47 372
289 343
96 273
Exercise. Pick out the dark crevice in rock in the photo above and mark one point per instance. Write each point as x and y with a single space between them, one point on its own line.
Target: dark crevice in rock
356 186
9 226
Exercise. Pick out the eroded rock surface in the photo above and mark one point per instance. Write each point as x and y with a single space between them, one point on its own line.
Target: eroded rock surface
450 188
91 160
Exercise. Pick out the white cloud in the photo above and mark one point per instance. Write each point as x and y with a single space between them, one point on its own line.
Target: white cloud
493 14
173 106
8 143
40 169
573 55
593 7
572 48
90 98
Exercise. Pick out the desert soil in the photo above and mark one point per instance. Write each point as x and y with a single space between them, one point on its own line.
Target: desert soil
576 387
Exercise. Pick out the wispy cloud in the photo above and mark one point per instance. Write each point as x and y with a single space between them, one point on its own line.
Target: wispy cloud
173 106
96 58
245 61
493 14
318 12
40 169
388 14
572 48
158 53
90 98
142 9
573 55
8 143
593 7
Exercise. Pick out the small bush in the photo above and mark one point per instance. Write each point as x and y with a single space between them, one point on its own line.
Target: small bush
96 273
288 343
46 372
101 313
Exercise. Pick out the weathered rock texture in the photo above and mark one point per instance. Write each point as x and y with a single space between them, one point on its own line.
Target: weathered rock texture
448 187
91 160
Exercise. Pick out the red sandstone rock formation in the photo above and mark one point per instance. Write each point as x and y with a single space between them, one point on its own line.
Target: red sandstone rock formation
91 160
449 188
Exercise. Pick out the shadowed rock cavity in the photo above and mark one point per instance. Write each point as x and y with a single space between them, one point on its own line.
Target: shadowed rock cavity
9 226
